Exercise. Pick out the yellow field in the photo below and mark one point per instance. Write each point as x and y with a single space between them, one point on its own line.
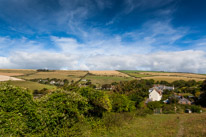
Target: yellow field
16 72
188 75
171 78
109 73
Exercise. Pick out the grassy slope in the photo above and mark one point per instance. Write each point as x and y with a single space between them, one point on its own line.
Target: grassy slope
168 125
30 85
106 79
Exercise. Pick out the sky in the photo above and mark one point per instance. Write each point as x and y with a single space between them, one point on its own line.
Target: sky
156 35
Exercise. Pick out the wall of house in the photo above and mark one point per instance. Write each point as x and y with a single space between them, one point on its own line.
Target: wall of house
154 96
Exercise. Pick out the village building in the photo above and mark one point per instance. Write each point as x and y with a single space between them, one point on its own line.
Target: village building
184 101
155 95
52 82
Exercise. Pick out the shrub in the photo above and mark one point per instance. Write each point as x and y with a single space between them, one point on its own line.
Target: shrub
143 112
168 109
61 110
18 108
121 103
116 119
154 104
99 102
195 109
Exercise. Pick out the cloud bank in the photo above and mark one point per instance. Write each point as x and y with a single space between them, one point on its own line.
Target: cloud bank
180 61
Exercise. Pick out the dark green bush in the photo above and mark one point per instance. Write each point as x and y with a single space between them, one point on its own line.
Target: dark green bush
121 103
116 119
195 109
154 104
99 101
61 110
168 109
17 105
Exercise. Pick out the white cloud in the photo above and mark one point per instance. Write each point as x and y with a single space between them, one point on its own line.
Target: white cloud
150 48
183 61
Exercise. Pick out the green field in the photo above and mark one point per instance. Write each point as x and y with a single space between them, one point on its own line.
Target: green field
163 125
31 85
95 79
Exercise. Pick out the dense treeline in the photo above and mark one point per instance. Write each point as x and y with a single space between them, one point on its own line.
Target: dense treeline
74 111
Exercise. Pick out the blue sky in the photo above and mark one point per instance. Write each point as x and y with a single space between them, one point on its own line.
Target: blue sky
166 35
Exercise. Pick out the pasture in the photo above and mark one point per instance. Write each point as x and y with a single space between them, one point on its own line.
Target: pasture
100 80
163 125
31 85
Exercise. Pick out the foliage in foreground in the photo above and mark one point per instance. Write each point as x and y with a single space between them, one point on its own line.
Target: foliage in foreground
76 111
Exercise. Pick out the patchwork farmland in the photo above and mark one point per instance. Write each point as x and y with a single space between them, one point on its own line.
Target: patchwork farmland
23 78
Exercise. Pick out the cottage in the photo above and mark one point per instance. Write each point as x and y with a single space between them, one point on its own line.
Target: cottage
52 82
184 101
155 95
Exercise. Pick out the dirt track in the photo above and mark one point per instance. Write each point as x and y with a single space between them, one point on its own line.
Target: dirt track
7 78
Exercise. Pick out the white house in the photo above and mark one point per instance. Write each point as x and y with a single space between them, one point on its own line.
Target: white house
155 95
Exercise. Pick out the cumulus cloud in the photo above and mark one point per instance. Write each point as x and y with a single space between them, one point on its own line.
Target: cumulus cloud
180 61
142 51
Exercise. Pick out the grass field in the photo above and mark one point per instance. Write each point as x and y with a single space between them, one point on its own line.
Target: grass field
165 125
95 79
30 85
69 75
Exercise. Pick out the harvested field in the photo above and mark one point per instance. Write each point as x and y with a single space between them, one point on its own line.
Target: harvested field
7 78
16 72
188 75
171 78
109 73
11 74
